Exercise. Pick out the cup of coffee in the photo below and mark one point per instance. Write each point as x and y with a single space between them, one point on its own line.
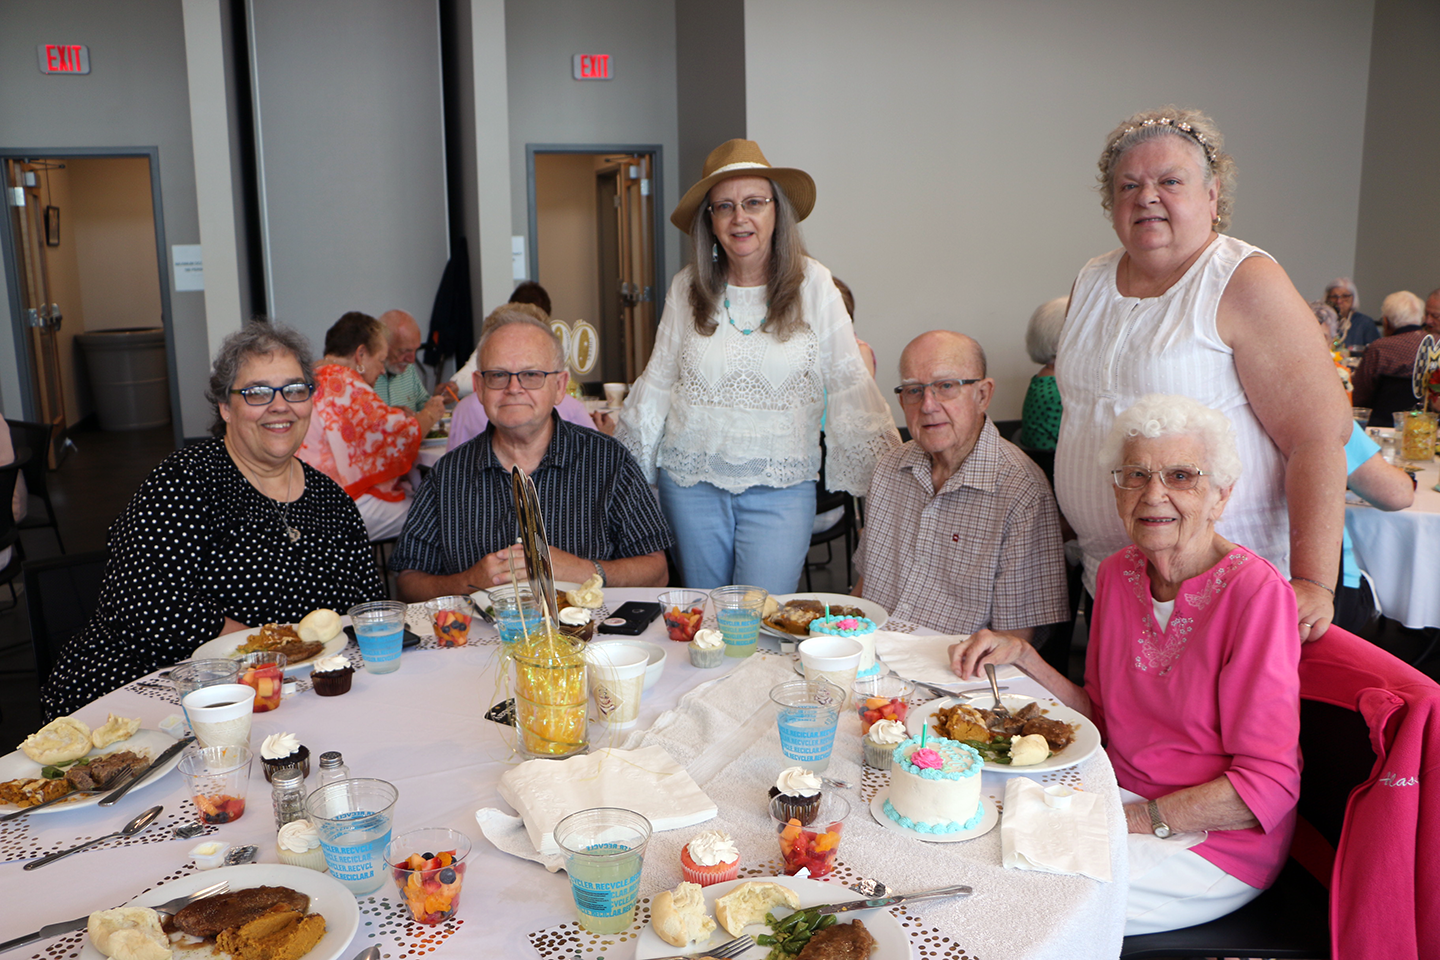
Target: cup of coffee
617 680
615 393
220 714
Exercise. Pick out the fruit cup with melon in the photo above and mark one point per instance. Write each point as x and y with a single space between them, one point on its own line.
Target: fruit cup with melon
813 847
683 612
881 698
428 867
264 672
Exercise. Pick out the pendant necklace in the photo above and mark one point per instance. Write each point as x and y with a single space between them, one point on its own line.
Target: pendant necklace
283 512
752 329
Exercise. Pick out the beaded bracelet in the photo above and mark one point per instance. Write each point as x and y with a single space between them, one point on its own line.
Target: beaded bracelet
1317 583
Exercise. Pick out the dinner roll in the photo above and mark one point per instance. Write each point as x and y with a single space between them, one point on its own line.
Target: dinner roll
749 902
129 933
113 730
319 626
59 741
678 915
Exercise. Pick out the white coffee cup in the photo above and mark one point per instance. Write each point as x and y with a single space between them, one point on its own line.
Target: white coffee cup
836 659
220 715
617 681
615 393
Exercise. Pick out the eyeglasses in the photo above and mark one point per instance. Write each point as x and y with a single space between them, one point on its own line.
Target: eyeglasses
529 379
754 206
260 395
913 393
1181 476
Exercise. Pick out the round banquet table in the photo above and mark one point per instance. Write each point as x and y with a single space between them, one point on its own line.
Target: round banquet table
423 729
1401 551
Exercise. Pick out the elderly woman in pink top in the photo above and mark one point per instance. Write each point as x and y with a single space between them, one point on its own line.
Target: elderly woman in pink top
1191 674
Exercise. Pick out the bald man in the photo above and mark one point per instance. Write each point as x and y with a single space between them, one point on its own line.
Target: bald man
961 530
400 385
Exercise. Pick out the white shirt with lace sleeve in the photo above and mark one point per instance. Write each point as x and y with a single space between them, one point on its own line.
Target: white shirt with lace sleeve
738 410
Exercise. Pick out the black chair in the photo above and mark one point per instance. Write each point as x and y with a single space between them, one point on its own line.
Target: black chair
845 527
1392 395
36 436
61 594
9 530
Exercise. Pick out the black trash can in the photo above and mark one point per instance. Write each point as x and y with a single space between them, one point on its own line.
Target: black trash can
128 378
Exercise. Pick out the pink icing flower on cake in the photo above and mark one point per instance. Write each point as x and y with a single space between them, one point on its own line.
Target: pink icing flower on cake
849 623
927 759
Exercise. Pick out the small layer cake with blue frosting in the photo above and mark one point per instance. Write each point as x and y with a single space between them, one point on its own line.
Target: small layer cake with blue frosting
935 788
860 629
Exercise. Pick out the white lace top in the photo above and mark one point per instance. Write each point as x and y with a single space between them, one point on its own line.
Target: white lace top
740 411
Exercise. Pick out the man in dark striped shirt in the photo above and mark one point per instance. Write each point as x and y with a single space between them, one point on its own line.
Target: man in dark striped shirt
600 515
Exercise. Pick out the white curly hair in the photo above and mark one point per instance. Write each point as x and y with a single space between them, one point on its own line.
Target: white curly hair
1164 415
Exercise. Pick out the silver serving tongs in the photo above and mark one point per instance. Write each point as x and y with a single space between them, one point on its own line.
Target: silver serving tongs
539 571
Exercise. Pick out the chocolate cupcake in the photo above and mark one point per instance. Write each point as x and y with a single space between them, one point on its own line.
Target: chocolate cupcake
797 794
577 622
281 750
332 676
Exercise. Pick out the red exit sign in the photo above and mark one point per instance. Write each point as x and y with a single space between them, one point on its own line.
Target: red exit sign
594 66
71 58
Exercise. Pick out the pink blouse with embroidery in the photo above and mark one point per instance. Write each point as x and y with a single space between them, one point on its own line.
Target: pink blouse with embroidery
357 439
1217 692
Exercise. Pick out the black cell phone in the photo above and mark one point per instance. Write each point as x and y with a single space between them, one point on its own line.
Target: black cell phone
631 619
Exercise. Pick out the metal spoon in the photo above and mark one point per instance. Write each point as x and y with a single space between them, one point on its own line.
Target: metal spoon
129 830
369 953
999 709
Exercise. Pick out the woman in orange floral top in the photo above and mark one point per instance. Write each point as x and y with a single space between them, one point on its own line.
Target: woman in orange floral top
357 439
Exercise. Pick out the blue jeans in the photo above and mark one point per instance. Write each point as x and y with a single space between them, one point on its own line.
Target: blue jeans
759 537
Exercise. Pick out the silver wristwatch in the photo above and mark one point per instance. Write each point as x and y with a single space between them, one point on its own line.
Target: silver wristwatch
599 571
1158 827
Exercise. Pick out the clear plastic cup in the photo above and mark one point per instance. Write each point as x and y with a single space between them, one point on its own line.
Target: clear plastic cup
815 845
430 888
265 672
808 713
881 698
738 609
218 779
353 817
379 630
189 677
683 611
517 613
604 850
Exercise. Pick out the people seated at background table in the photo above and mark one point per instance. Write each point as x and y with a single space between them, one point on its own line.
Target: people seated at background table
961 530
600 515
1329 323
1432 313
529 292
1182 308
1191 673
401 385
1381 485
225 534
468 419
1382 380
754 350
1040 415
20 500
1355 330
357 439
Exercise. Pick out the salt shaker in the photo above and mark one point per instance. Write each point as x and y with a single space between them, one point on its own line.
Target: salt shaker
288 785
332 768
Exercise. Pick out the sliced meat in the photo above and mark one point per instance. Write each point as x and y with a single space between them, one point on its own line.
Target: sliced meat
206 918
1057 734
97 773
844 941
1031 709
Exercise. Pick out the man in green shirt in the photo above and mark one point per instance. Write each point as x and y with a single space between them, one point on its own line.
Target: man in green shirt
400 385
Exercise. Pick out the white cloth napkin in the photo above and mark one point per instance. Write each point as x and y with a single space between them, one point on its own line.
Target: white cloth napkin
1035 836
648 781
926 658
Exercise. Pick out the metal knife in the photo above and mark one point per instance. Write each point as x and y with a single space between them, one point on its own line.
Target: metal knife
942 692
170 751
878 902
46 932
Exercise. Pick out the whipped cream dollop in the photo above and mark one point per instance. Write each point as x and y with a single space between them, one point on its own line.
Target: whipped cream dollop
278 746
298 836
713 847
708 639
330 665
574 616
797 782
1027 750
887 733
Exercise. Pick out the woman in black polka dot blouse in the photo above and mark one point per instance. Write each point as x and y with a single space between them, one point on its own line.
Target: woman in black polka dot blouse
231 533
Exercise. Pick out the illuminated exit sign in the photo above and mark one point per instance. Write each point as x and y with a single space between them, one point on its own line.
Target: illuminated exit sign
594 66
63 57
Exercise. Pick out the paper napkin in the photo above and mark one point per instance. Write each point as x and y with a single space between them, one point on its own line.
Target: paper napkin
926 658
1034 836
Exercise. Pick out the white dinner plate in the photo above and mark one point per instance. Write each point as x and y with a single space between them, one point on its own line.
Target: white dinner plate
482 597
223 647
891 943
328 897
1087 738
15 765
988 819
872 610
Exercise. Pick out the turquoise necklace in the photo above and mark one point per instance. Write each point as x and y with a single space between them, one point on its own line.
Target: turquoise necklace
752 329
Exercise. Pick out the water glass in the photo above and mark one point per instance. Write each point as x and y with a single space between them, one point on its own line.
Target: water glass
379 630
189 677
517 612
737 612
353 817
808 713
604 850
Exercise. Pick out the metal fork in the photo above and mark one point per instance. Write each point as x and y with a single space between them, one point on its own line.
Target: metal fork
1000 710
109 784
725 951
172 907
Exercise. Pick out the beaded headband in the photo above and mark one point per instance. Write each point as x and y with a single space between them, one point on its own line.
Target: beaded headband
1180 126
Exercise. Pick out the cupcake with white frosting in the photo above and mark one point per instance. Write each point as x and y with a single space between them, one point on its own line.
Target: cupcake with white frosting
797 791
710 857
577 622
332 676
281 750
881 741
707 648
298 844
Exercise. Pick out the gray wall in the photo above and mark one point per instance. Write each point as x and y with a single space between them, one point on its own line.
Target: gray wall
348 108
1398 244
710 82
954 143
548 106
135 95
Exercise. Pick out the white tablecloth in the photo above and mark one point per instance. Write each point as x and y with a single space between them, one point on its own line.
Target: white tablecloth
1401 552
422 728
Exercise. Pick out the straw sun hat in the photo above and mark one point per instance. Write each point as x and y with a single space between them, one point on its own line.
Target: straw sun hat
742 158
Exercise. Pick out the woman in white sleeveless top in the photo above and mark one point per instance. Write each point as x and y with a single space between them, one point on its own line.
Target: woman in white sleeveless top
1183 309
